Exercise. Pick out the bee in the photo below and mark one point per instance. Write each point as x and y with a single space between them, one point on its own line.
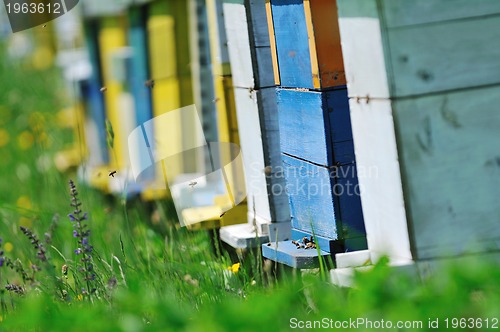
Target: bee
215 100
269 244
45 25
268 170
149 83
305 240
112 174
103 89
193 183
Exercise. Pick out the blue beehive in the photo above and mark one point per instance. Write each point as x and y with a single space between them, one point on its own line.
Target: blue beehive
315 133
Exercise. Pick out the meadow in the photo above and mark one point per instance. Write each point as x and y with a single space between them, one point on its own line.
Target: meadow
74 259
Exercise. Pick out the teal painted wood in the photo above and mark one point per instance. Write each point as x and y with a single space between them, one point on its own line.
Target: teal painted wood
410 12
292 43
311 123
449 149
285 252
310 191
138 72
95 99
443 57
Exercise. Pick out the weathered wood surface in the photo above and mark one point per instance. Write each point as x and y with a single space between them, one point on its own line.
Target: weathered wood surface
380 179
292 43
363 49
311 123
448 144
308 43
410 12
310 190
446 56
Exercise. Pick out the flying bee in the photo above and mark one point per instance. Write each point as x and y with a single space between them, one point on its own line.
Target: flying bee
193 183
149 83
103 89
112 174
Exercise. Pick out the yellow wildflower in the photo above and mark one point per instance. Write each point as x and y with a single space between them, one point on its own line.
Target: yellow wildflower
80 297
234 268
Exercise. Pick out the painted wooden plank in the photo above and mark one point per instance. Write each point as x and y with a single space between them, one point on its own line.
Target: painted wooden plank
347 192
448 144
259 30
379 179
111 40
312 122
203 87
236 25
242 236
251 66
292 43
226 110
272 41
139 65
95 100
322 21
447 56
161 41
268 116
310 190
308 43
409 12
361 35
247 113
218 39
286 252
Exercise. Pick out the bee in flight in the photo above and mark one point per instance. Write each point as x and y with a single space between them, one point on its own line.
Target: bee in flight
149 83
103 89
112 174
193 183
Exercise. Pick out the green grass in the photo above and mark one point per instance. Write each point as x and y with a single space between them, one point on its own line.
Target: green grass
169 279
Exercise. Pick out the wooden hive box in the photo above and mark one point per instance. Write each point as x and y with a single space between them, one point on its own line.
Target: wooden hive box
429 81
306 39
315 130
